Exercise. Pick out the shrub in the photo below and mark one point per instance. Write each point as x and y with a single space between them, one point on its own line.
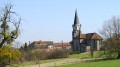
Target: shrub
36 55
8 55
57 54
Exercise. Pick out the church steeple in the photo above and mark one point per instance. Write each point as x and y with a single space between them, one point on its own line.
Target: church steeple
76 20
76 34
76 25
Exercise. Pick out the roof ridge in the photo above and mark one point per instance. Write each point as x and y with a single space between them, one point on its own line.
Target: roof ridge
92 35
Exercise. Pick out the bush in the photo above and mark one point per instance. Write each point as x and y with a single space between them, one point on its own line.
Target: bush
41 54
57 54
8 55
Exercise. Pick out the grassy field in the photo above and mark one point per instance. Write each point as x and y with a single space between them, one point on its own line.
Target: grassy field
85 55
41 62
74 56
105 63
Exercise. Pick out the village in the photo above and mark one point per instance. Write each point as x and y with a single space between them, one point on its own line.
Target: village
59 33
80 42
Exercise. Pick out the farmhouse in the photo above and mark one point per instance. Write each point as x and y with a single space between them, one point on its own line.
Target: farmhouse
41 44
50 45
64 45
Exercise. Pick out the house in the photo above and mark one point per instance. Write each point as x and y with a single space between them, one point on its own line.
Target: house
41 44
50 45
64 45
82 42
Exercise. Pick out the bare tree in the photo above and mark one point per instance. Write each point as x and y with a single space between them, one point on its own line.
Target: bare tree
9 25
111 34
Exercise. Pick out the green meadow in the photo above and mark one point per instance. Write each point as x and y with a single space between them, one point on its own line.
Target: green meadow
86 55
105 63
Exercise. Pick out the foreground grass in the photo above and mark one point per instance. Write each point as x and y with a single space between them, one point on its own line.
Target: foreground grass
43 61
105 63
34 62
74 56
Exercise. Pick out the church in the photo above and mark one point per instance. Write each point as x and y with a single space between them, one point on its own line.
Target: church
83 42
80 42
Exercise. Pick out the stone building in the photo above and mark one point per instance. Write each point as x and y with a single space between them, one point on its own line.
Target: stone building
82 42
41 44
50 45
64 45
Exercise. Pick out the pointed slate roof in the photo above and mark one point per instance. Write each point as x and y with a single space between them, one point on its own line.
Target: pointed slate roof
76 20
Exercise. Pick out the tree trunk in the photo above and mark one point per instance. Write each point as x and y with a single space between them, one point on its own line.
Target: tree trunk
118 57
3 41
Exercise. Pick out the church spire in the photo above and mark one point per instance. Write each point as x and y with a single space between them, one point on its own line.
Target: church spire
76 20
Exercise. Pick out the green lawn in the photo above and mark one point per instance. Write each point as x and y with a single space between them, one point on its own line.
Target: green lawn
85 55
107 63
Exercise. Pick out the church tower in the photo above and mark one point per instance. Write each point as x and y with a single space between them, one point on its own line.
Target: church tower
76 34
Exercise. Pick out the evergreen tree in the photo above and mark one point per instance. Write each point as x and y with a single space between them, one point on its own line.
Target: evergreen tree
25 47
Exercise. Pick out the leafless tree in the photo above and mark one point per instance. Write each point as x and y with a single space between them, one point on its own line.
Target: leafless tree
9 25
111 34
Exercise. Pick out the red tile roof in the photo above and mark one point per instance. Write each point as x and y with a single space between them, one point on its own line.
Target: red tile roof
82 36
43 42
96 36
61 44
90 36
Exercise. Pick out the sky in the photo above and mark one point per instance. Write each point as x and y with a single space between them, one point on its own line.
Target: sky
52 20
